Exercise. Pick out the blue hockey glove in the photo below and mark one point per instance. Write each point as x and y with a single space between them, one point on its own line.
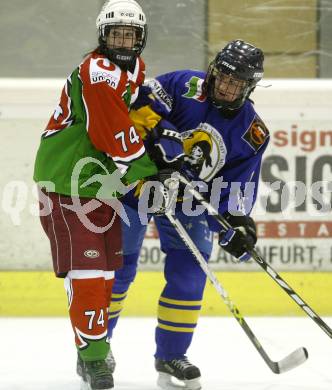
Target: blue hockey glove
241 238
164 146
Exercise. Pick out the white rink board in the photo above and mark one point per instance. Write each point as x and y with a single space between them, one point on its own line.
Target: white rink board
282 255
298 114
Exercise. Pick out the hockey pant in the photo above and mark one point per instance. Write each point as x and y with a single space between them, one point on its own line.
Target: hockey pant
180 301
89 295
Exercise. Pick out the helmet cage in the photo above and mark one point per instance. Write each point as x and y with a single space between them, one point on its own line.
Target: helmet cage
122 56
242 91
141 35
243 62
121 13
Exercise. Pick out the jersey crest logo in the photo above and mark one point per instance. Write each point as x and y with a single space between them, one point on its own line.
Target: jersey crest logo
256 134
205 150
195 90
102 70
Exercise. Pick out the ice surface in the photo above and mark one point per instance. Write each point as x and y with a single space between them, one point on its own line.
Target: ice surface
38 354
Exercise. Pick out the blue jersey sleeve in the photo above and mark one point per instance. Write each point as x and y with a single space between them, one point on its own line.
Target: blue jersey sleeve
162 92
155 93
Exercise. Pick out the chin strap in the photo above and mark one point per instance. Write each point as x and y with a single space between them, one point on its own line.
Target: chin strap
229 113
124 58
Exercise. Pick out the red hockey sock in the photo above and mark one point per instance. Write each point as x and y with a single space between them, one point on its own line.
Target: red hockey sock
88 305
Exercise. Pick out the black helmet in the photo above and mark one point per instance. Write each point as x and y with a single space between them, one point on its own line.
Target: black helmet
240 60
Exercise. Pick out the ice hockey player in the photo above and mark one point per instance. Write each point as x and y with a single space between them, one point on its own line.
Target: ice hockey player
90 150
224 138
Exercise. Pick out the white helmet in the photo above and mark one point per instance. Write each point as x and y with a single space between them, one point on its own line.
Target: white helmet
122 13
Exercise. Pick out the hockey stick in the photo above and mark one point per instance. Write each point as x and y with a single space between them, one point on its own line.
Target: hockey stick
291 361
259 259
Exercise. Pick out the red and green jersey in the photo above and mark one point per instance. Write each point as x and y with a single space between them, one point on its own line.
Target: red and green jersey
90 131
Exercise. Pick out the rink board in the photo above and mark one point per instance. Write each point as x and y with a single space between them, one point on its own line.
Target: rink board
255 293
295 232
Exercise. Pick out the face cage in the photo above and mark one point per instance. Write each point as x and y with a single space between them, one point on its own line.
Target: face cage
141 35
212 74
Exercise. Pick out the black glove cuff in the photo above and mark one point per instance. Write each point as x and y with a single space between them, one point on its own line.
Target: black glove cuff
244 221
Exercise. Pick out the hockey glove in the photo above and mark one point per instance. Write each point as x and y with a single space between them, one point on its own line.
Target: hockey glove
164 146
241 238
163 194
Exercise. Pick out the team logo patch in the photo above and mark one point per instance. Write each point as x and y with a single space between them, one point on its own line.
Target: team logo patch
102 70
91 253
195 89
205 150
256 135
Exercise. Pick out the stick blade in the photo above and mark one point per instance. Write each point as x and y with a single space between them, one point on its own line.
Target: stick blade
291 361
